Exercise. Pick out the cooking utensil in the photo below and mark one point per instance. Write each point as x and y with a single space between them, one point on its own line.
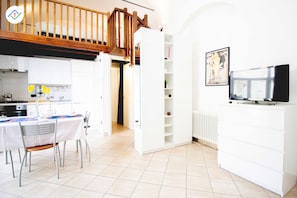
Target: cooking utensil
7 97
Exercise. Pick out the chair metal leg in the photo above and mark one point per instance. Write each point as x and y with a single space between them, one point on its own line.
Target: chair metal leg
20 155
88 150
63 160
76 145
59 153
29 161
20 175
57 159
81 155
6 157
12 167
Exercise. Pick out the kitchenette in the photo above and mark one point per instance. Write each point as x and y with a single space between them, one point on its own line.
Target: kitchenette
31 86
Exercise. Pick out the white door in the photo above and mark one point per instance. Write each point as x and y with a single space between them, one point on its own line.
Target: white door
103 62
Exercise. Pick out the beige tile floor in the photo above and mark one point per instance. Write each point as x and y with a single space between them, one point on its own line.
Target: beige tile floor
116 170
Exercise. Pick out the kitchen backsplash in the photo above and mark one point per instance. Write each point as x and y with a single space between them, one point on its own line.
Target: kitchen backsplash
16 83
59 93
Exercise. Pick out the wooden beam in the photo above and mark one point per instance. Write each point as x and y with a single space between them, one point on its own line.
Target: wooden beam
55 42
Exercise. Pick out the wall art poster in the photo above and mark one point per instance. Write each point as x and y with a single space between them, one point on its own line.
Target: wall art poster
217 67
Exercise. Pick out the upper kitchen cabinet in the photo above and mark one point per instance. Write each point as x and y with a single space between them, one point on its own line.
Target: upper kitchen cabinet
49 71
18 63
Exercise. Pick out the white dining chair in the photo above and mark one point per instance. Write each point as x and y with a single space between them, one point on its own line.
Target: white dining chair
37 136
11 160
86 127
78 142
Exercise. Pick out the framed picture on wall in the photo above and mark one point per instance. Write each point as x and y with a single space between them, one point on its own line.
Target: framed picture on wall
217 67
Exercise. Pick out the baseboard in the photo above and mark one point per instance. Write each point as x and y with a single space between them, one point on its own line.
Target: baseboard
204 142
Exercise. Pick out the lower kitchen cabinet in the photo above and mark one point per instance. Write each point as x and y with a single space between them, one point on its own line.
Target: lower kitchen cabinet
49 108
258 143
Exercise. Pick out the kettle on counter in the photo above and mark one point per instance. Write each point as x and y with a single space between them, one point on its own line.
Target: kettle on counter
7 97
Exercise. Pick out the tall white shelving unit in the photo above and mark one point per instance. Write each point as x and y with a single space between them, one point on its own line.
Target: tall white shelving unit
149 91
168 90
162 98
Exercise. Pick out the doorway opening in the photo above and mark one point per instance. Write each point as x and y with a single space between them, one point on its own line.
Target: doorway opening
120 96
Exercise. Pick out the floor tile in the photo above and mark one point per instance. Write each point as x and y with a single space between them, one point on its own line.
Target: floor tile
152 177
100 184
175 180
132 174
123 188
144 190
44 189
199 194
89 194
224 187
65 192
248 189
79 180
199 183
170 192
112 171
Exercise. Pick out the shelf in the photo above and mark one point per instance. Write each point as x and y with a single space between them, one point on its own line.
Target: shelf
168 60
168 134
168 76
168 139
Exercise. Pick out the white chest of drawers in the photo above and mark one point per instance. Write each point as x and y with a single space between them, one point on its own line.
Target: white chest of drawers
259 143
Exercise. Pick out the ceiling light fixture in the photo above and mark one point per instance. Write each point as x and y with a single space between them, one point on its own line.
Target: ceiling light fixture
139 5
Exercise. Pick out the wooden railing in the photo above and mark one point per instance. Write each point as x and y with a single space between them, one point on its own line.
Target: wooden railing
121 27
58 20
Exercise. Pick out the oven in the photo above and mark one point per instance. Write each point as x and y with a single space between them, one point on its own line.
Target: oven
13 110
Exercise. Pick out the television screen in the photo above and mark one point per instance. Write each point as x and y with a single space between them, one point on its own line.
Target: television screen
260 84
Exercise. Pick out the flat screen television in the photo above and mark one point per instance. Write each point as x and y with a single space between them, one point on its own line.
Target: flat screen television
260 84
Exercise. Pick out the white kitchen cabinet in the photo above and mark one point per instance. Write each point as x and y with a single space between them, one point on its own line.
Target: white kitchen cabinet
19 63
50 108
258 143
49 71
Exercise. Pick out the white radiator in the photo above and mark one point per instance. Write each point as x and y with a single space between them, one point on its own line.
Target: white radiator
205 126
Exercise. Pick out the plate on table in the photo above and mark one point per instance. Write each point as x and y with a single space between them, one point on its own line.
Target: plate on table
4 119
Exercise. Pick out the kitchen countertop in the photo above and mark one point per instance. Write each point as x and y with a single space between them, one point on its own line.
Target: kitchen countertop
33 102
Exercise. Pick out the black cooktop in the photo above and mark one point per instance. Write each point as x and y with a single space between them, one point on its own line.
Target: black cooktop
14 101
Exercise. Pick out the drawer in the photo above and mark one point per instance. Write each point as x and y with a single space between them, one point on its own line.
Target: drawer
264 137
261 156
264 117
253 172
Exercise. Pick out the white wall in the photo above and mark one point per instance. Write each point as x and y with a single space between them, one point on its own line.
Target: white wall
259 33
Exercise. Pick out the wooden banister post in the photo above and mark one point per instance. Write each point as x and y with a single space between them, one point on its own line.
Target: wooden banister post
108 30
0 17
134 28
126 33
145 20
7 23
